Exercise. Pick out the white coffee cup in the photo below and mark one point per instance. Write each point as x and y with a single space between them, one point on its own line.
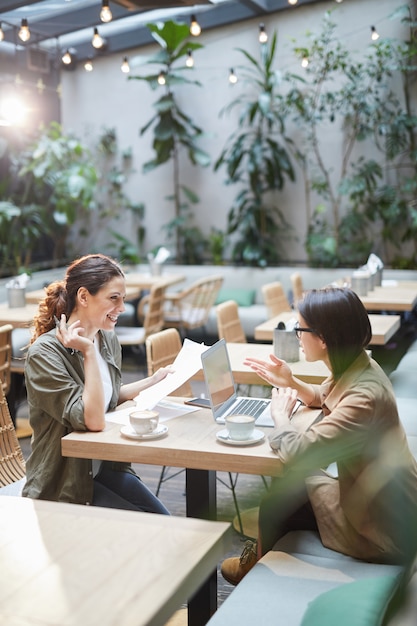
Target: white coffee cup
144 422
240 427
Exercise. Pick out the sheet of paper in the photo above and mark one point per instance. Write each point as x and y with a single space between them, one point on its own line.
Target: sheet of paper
187 363
167 410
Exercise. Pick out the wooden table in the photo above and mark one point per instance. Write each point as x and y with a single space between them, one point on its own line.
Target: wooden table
19 317
190 443
309 372
400 297
383 327
77 565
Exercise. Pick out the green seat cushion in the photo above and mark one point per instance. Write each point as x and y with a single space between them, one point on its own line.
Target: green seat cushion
242 297
360 603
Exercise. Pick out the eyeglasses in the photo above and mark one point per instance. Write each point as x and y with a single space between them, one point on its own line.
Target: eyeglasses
298 330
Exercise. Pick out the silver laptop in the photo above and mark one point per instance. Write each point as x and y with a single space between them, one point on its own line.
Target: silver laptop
221 389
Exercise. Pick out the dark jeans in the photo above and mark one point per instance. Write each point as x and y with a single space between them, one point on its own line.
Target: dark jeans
286 507
124 490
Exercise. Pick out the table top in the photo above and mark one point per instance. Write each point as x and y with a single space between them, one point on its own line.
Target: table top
19 317
398 297
190 442
309 372
72 564
383 327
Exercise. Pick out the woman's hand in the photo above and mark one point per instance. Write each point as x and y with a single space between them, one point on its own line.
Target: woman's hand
282 404
161 374
72 336
276 372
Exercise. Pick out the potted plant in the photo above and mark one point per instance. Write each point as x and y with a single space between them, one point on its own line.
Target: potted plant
175 133
256 158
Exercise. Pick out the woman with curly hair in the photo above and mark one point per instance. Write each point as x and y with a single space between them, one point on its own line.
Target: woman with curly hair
73 377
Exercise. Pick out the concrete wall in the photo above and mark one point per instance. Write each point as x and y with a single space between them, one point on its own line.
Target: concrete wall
106 98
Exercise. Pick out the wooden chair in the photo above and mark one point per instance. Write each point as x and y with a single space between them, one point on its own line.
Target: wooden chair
190 307
275 299
297 287
151 310
161 350
229 325
12 463
5 357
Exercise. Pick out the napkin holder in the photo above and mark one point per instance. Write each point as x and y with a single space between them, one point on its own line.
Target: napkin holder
286 345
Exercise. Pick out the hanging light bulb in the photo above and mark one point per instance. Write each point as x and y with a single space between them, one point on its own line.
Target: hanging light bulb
232 77
263 37
97 40
374 34
105 13
88 65
125 66
292 2
339 1
195 28
189 62
66 57
1 33
304 61
161 78
24 32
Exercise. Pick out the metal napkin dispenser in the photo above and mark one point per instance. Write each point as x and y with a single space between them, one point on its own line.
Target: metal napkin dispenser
286 344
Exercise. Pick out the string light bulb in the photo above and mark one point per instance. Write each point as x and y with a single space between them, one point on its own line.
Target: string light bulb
195 28
105 13
66 57
304 62
125 67
189 61
161 78
263 37
24 32
232 77
292 2
374 34
97 40
339 1
88 65
1 32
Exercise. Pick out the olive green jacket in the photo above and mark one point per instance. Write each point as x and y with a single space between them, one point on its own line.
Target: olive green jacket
55 381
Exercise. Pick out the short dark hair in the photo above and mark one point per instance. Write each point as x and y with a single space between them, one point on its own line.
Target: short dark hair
341 320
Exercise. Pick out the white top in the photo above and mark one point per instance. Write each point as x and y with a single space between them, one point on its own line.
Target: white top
107 388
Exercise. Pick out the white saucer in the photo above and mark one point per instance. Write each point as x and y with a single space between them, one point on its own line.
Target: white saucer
223 436
160 431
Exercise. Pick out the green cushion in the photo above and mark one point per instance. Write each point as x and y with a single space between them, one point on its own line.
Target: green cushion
242 297
362 603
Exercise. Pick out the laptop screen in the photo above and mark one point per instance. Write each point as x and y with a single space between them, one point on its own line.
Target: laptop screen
218 374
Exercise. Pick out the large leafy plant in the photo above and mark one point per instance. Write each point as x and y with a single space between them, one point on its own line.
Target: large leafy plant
257 159
364 202
175 133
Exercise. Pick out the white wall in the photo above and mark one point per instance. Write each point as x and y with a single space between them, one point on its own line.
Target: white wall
106 98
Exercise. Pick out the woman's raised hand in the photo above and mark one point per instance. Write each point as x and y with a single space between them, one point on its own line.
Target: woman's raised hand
276 372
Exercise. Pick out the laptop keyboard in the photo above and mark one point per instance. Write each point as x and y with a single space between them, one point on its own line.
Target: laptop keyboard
250 407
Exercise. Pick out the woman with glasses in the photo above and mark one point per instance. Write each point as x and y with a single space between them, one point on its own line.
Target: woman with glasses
369 511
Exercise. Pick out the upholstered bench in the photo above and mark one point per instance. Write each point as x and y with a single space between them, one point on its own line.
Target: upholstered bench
302 583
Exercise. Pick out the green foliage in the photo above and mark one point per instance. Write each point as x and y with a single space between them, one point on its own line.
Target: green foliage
257 157
359 197
174 131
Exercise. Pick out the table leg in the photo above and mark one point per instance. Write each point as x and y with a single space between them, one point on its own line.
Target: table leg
201 503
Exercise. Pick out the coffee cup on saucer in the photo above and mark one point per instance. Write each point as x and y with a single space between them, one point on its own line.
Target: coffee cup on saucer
144 422
240 427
